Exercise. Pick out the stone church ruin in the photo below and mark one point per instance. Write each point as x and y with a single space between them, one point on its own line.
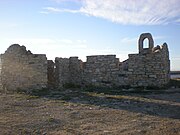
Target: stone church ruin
20 69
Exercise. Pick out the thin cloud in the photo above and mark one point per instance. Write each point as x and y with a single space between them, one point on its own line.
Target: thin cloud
134 40
136 12
60 1
52 47
158 37
44 12
57 10
178 20
50 42
176 58
82 41
8 25
128 40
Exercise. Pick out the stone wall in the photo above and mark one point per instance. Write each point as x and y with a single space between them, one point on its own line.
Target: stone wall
51 76
23 70
0 72
75 70
20 69
62 71
101 70
68 71
149 69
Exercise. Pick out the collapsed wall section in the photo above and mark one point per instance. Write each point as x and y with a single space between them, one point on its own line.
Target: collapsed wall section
23 70
20 69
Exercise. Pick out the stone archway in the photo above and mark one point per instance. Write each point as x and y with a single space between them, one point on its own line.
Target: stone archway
141 40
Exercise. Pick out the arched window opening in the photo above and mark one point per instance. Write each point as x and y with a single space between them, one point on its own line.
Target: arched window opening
146 43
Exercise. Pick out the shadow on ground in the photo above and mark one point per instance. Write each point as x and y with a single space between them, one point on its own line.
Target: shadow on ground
155 103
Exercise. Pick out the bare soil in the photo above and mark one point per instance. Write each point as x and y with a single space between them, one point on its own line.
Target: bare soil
81 112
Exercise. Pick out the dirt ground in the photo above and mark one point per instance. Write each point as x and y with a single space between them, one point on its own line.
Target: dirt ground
78 112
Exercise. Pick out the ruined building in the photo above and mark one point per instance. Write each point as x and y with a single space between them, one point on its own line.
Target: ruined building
20 69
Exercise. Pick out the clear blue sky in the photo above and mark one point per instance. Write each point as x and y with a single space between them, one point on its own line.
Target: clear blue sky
64 28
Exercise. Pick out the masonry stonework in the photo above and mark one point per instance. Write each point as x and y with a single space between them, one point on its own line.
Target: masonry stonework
101 70
68 71
20 68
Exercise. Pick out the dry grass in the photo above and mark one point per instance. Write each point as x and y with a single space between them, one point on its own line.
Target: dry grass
76 112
